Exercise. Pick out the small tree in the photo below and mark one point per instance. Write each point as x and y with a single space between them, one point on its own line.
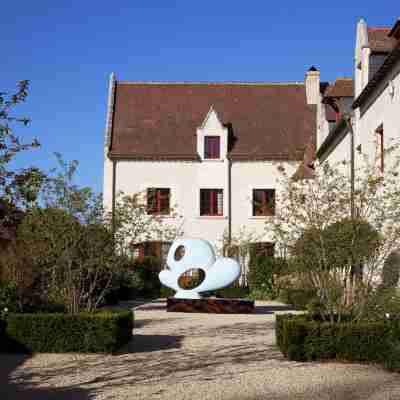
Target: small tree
69 263
239 247
311 224
133 225
17 187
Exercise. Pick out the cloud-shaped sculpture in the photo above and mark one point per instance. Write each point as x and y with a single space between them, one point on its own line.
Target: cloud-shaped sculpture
187 254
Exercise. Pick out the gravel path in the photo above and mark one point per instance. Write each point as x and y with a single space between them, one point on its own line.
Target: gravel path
180 356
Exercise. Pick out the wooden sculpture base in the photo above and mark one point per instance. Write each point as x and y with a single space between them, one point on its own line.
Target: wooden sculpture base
210 305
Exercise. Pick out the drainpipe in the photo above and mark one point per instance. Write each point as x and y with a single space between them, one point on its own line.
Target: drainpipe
229 201
114 167
352 167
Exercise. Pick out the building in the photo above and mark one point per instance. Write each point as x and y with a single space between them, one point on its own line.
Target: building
374 113
212 149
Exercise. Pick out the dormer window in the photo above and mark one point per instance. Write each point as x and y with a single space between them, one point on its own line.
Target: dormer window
212 147
212 138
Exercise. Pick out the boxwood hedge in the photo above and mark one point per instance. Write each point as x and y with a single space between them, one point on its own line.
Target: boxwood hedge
301 338
104 331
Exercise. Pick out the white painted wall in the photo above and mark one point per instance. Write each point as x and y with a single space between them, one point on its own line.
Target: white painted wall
382 108
185 180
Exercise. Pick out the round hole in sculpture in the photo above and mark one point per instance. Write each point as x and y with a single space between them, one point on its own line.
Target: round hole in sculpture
191 278
179 253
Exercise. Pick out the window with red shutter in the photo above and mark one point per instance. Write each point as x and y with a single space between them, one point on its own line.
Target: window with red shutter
263 202
211 202
158 201
211 147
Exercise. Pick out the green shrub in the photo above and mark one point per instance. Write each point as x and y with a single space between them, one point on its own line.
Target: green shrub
233 292
391 271
301 338
297 297
103 331
8 297
166 292
263 273
259 294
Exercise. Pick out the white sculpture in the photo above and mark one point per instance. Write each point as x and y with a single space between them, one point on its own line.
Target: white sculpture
187 254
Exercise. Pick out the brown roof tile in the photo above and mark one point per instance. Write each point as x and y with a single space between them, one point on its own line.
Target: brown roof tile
159 120
343 87
379 41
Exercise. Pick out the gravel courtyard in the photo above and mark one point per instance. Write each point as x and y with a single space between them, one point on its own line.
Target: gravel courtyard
193 356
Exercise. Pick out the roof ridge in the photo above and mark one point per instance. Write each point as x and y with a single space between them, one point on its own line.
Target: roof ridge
210 83
379 28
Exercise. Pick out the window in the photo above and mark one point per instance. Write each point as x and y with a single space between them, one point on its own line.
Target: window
261 249
154 249
211 147
158 201
263 202
211 202
380 147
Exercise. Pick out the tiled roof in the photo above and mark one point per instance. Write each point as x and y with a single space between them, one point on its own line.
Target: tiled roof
379 41
159 120
343 87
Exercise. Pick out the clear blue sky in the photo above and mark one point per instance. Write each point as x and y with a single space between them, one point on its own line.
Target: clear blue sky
67 49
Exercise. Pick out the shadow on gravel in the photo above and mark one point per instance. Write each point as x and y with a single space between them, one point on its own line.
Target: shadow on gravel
20 390
375 388
271 309
149 343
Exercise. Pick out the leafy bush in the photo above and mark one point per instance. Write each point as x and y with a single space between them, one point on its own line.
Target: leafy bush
263 274
8 297
258 294
302 338
103 331
297 297
59 261
136 278
391 271
233 292
166 292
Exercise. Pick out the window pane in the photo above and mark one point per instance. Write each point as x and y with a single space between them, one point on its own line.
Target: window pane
164 201
212 147
205 202
158 201
211 202
263 202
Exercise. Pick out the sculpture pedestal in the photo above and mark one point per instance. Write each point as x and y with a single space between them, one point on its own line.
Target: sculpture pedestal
209 305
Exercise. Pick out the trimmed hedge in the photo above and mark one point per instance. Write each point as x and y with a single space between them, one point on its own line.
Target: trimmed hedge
101 332
300 338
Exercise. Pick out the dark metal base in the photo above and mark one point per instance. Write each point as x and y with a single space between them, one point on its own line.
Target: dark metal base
209 305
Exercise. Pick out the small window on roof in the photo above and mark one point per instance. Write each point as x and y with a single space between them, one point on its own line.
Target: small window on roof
211 147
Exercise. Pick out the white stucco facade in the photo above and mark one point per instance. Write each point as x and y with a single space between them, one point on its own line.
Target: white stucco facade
381 111
186 178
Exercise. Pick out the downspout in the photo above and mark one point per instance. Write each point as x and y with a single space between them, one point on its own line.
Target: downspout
229 200
114 168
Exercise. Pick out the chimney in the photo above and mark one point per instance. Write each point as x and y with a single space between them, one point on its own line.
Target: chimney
312 82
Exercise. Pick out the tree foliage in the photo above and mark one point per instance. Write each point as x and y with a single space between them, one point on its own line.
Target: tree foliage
341 257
